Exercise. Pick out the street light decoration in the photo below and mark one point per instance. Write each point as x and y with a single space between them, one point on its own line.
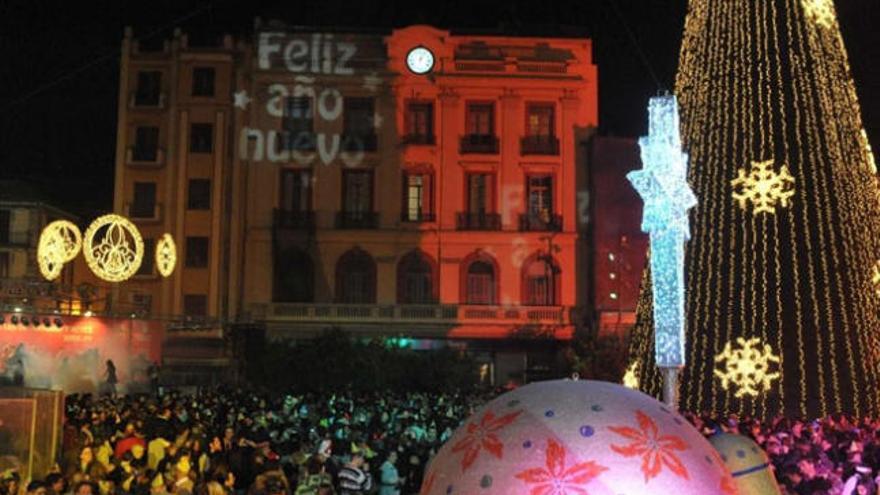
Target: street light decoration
113 248
60 242
166 255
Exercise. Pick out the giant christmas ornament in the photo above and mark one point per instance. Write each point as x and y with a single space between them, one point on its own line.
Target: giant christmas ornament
748 464
574 438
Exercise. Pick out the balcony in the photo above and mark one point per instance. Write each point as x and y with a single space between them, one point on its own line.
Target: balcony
418 139
539 145
294 220
478 221
145 157
417 216
357 220
479 143
359 142
450 314
297 141
140 100
144 213
540 223
14 238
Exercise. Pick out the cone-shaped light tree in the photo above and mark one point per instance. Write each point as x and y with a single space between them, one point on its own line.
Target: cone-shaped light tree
783 266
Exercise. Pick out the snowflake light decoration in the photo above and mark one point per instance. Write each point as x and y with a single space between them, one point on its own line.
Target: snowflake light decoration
60 242
631 377
866 145
820 12
117 254
763 186
747 367
166 255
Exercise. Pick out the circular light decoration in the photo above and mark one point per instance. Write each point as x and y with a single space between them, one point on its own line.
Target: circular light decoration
60 242
113 248
420 60
166 255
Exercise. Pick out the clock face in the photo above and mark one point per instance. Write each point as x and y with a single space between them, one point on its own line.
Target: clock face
420 60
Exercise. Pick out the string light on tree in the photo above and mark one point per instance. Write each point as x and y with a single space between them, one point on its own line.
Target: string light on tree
747 367
875 277
763 187
60 242
166 255
866 145
113 248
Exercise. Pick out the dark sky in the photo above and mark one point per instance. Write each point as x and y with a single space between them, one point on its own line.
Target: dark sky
60 64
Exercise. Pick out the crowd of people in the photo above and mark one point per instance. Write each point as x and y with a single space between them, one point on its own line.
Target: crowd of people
230 442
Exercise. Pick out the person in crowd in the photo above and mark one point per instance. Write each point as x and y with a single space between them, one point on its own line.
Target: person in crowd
354 477
389 480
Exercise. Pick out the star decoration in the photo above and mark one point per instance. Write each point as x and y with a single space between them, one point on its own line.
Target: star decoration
242 99
631 377
747 367
372 82
763 186
820 12
866 145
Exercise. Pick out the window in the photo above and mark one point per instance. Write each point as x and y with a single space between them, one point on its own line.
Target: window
5 226
297 124
203 81
143 203
357 191
146 144
540 198
480 282
294 277
199 194
146 268
417 197
195 305
149 88
196 252
359 124
4 265
356 278
201 138
479 193
296 190
539 120
419 123
540 278
480 119
415 279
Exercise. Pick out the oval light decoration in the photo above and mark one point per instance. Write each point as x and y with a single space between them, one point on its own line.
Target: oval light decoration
166 255
60 242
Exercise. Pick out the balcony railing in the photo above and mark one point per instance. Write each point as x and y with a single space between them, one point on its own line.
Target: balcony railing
294 220
540 223
478 221
479 143
136 100
417 216
436 313
297 141
539 145
427 139
151 157
359 142
357 220
144 213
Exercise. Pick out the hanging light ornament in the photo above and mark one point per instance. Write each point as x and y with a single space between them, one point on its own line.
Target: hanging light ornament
166 255
60 242
113 248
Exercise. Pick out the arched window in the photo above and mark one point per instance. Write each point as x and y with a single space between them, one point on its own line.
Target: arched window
415 279
356 278
294 277
480 279
540 279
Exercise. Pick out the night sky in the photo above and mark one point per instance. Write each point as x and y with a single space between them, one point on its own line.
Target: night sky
60 71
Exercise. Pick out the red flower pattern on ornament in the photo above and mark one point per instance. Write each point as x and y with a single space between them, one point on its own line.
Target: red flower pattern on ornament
655 450
428 483
481 436
555 479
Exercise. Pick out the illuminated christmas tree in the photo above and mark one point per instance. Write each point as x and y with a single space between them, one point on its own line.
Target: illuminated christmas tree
783 266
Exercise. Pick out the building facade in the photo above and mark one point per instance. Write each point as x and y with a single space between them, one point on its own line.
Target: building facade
418 183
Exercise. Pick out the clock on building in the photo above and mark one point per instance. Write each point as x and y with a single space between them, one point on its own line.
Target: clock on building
420 60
